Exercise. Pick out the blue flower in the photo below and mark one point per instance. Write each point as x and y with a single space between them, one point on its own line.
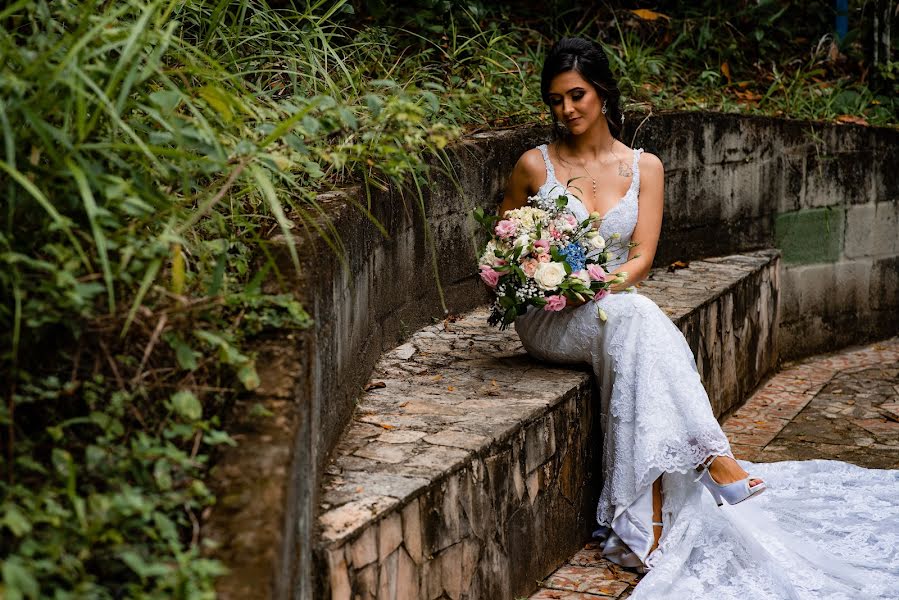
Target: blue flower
574 256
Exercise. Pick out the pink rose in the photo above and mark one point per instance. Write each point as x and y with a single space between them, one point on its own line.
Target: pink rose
600 294
596 273
529 266
544 258
555 233
489 276
570 220
554 303
505 228
541 246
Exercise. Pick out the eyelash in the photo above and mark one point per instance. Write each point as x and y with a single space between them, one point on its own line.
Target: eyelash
575 97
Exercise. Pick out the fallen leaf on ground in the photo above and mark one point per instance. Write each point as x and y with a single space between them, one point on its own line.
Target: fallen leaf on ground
851 119
373 385
649 15
678 264
386 426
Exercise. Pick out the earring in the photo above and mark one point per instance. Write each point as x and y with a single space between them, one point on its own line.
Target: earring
604 108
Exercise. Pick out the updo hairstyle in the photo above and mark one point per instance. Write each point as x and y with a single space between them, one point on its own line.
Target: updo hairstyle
589 60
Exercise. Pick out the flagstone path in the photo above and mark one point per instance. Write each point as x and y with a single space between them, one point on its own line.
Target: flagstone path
840 406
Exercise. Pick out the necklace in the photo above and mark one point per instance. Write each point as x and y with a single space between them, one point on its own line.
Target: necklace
623 170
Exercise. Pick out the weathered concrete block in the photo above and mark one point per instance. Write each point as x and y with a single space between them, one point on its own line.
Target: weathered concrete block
810 235
884 289
827 306
872 230
838 175
827 289
540 443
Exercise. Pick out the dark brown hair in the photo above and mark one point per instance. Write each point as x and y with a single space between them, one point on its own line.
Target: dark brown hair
589 60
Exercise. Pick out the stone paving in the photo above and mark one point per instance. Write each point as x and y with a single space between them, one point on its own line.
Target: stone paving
840 406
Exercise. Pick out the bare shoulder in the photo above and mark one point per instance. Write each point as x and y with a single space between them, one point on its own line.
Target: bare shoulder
531 166
529 174
526 178
651 165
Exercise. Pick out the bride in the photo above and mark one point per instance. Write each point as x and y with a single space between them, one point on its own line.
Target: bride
660 437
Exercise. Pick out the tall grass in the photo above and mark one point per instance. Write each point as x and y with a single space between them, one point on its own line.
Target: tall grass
150 149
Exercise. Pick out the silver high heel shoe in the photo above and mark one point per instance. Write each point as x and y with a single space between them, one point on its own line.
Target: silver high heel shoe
735 492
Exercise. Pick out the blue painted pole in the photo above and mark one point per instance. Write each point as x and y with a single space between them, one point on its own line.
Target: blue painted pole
842 19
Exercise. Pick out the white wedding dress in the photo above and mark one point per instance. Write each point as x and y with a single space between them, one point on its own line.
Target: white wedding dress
822 530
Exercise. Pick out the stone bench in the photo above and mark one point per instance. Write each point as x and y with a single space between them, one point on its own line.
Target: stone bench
470 470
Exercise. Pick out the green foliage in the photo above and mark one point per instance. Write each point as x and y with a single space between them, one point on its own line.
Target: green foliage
767 57
150 150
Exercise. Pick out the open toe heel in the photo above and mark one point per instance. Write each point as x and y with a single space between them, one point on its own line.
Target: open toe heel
733 493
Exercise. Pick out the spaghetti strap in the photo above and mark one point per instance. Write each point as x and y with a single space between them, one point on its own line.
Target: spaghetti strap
635 180
550 170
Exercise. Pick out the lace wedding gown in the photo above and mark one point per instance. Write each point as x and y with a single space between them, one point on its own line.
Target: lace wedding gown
822 530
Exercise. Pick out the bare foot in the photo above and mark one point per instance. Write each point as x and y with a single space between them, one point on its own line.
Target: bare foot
726 470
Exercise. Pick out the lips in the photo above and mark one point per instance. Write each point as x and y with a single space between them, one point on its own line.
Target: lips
573 120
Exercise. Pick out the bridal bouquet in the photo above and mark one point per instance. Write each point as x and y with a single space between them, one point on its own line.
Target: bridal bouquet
540 255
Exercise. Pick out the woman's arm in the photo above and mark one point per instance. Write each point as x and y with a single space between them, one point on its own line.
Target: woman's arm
649 222
523 181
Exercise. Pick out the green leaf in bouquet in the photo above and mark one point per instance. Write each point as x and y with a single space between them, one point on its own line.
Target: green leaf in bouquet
510 315
521 275
556 256
567 267
561 202
487 221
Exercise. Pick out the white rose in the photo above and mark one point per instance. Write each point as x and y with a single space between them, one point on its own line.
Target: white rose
597 242
549 275
522 240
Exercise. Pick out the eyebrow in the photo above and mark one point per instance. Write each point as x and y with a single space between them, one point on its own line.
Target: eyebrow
574 89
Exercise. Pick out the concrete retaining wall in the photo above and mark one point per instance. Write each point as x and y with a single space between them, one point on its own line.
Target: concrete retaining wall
826 195
733 184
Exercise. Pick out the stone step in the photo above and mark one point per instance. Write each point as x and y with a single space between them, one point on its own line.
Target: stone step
470 470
